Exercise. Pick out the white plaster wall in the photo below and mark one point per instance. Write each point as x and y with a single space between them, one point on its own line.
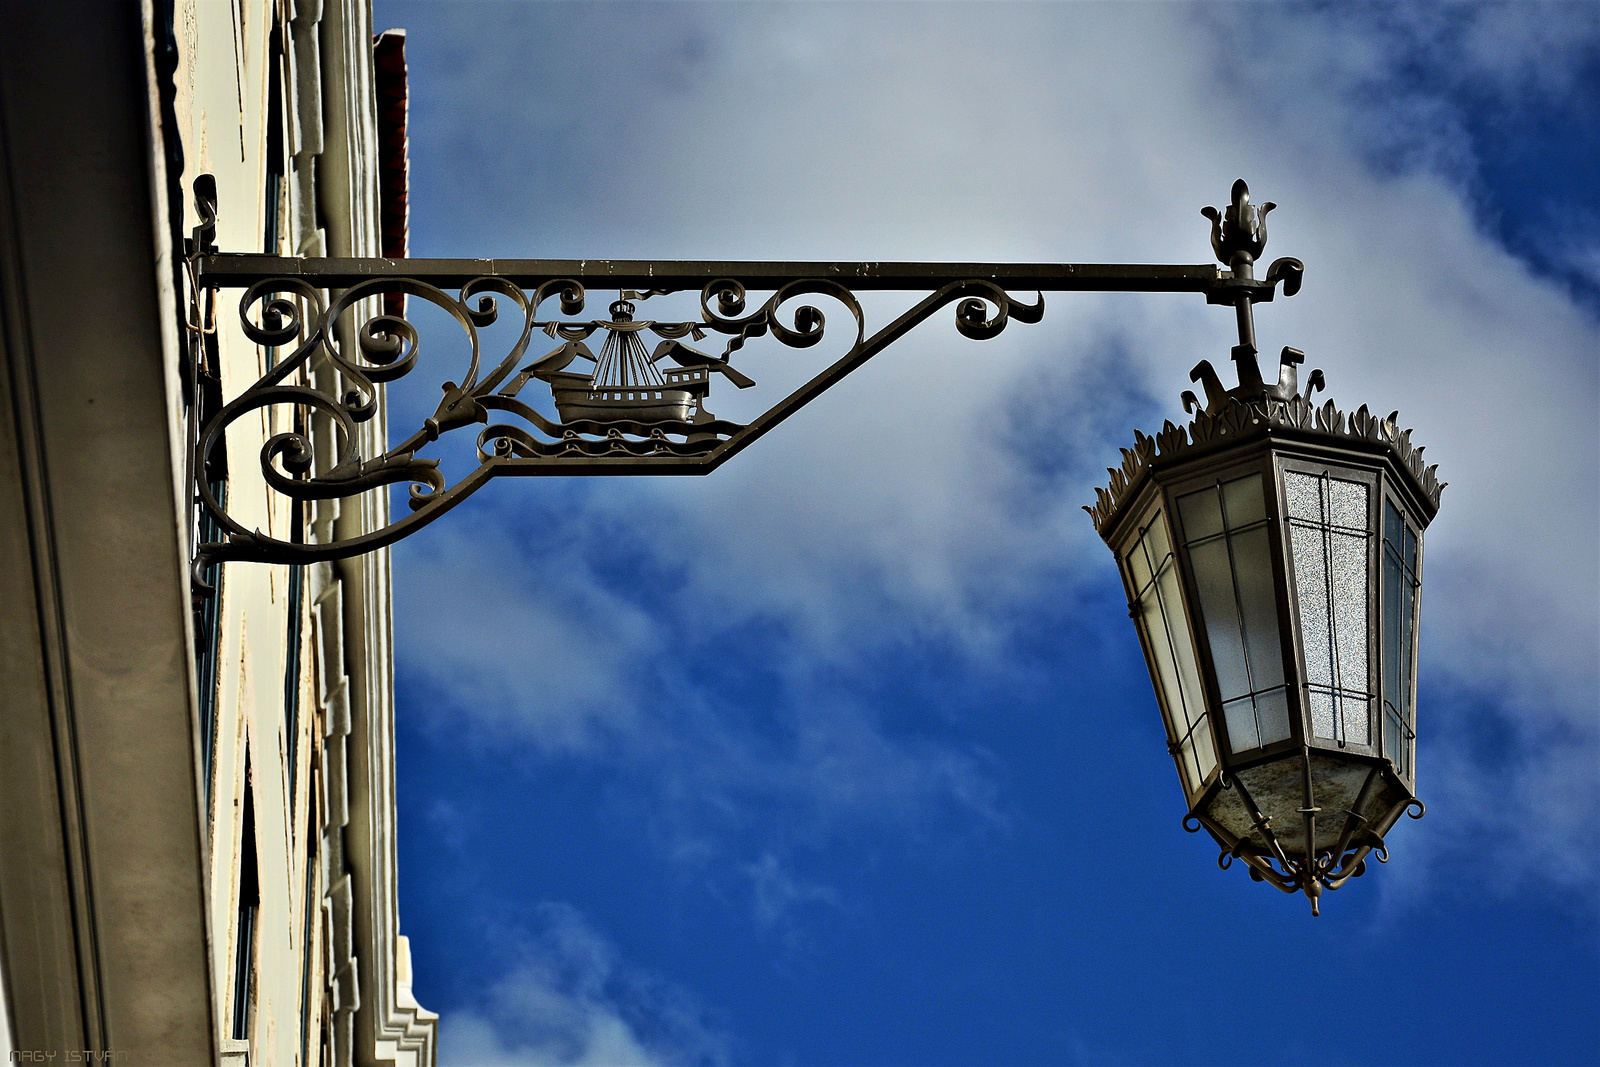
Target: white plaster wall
222 99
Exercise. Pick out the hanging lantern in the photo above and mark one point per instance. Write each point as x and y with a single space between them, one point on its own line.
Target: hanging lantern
1272 556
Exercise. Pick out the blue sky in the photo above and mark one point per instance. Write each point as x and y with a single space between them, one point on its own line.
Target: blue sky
846 754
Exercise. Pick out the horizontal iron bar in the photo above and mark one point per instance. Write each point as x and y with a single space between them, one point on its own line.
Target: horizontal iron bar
243 269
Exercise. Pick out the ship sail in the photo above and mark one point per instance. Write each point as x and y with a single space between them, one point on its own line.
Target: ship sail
624 364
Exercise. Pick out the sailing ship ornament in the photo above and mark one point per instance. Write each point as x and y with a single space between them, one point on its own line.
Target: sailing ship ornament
626 385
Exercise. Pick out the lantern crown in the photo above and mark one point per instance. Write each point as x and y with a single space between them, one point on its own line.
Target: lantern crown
1248 411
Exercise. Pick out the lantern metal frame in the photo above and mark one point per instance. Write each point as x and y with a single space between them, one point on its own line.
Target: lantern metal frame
1350 794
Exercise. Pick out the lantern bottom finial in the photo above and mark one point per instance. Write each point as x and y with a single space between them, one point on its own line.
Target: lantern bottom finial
1260 814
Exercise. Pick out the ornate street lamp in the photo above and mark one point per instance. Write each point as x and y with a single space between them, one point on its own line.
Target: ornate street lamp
1272 556
1271 551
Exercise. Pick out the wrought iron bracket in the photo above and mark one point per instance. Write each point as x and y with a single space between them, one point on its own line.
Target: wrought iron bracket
635 411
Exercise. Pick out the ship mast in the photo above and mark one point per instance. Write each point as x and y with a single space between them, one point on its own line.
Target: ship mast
623 362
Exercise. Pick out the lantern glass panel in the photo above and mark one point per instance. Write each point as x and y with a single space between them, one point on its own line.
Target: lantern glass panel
1328 540
1227 538
1158 610
1400 589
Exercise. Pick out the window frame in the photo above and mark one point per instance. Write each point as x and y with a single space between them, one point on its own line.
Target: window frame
1152 511
1212 480
1406 771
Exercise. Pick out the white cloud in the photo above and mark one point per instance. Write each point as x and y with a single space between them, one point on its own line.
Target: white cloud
571 1001
546 650
631 695
896 507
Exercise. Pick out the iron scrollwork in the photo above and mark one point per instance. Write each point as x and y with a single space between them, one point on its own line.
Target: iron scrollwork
623 409
629 408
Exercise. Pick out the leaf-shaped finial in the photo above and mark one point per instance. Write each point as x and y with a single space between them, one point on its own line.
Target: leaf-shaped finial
1239 234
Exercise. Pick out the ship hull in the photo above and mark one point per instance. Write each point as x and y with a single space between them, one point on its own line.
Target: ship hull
624 405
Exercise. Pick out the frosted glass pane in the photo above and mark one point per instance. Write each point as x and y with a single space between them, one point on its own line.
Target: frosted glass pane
1347 503
1349 566
1321 713
1392 606
1311 595
1205 750
1138 568
1243 503
1202 515
1156 543
1191 771
1240 716
1263 723
1357 726
1331 567
1252 560
1218 609
1399 633
1272 715
1303 493
1408 641
1182 647
1155 628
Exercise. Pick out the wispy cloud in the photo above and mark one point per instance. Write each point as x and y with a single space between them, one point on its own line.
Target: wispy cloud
527 635
570 1000
776 893
716 718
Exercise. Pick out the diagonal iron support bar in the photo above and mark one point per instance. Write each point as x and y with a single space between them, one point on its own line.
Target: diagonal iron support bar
623 410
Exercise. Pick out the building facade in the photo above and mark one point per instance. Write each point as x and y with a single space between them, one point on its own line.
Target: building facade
197 818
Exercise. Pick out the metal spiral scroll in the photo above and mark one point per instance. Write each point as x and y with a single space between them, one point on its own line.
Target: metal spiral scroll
291 312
